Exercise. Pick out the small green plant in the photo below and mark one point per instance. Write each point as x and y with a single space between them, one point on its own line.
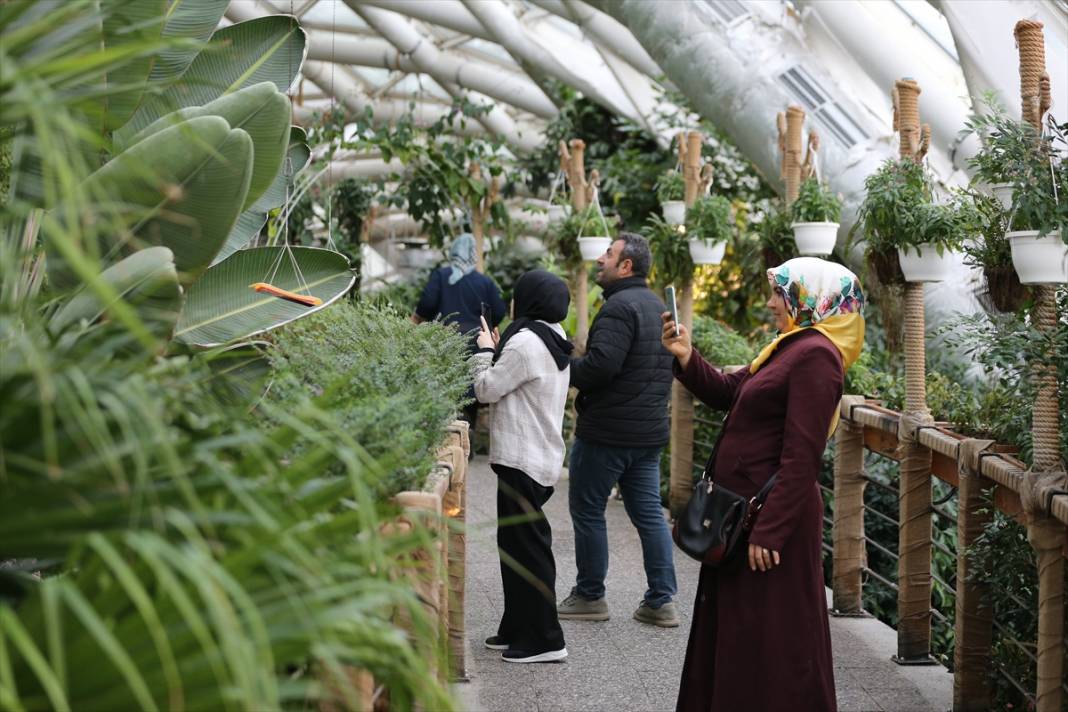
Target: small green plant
889 217
671 186
944 225
709 220
562 238
671 251
816 203
989 250
776 236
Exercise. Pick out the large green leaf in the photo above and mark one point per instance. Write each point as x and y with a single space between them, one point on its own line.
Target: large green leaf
190 19
222 306
146 279
182 188
260 110
128 22
267 49
250 222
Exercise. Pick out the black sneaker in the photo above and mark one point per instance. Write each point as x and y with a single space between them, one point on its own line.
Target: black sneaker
525 656
496 642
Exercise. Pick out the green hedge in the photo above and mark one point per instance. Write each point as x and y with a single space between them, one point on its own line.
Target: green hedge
398 385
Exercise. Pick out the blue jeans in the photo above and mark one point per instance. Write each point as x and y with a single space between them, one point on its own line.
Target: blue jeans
594 469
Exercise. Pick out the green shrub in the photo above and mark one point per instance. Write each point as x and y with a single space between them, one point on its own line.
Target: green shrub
709 220
721 345
893 196
671 251
399 384
816 203
776 236
671 186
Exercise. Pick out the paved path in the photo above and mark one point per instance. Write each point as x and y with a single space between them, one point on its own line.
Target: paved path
622 665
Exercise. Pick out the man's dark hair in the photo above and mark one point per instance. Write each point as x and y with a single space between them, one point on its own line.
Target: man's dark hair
636 249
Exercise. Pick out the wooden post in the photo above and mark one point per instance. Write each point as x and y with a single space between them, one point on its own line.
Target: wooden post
455 509
973 630
697 179
1045 533
572 163
914 514
850 553
790 128
480 210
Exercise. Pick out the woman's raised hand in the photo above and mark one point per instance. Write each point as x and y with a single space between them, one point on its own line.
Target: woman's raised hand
679 346
487 339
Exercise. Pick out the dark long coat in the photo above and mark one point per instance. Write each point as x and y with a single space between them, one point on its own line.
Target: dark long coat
760 641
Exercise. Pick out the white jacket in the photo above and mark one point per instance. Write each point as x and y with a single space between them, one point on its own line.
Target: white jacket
527 394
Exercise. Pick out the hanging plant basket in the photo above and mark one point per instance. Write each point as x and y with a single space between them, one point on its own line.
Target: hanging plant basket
1003 192
928 265
815 238
593 247
704 254
674 211
1004 292
557 214
886 267
1039 260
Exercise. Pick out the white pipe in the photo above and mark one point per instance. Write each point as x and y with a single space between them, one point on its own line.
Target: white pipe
501 22
606 31
445 68
450 14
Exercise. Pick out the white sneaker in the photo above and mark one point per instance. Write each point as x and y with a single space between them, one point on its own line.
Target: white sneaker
521 656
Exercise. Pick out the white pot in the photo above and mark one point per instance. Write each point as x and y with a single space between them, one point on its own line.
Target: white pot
557 213
593 247
703 254
1039 260
928 266
1003 192
815 238
674 211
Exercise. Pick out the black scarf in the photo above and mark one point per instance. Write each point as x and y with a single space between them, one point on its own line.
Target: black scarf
540 296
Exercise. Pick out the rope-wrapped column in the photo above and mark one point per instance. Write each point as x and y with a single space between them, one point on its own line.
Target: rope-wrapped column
914 516
790 144
973 628
1045 533
455 509
572 162
850 554
682 411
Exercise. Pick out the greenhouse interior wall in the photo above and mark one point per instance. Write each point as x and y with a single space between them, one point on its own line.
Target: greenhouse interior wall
285 424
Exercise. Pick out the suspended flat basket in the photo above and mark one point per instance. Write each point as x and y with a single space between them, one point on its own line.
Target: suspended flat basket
1004 292
704 254
886 267
593 247
927 265
1039 260
674 211
815 238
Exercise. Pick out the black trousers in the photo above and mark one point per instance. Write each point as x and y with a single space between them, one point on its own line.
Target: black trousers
528 570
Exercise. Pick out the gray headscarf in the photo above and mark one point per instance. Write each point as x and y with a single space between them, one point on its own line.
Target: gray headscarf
462 257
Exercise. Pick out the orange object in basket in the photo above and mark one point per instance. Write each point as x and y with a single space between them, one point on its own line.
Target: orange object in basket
305 299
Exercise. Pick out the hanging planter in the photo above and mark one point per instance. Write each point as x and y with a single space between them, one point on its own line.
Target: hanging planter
593 247
703 253
815 238
557 214
1039 260
1003 192
926 263
674 211
815 216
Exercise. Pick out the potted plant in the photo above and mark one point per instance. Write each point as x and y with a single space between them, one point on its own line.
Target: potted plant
1004 144
708 227
1039 212
559 207
887 217
672 261
928 253
776 234
988 250
815 216
670 191
595 233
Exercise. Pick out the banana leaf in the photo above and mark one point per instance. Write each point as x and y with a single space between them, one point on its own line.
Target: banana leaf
146 279
222 306
267 49
250 222
190 19
260 110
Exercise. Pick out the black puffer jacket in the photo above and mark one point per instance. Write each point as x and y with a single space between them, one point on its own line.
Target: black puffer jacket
624 380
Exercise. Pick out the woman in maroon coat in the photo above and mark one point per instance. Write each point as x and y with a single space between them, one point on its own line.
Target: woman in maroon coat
759 639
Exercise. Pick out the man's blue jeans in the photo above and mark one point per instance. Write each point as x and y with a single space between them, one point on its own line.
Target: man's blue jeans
594 469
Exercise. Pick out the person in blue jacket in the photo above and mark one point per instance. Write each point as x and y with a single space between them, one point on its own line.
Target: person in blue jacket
459 294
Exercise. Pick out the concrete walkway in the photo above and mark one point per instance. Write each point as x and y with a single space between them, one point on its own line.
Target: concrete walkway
621 664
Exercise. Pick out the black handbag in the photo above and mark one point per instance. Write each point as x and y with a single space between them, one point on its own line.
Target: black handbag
716 523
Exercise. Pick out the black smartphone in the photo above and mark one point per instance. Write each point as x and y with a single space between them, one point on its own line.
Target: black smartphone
669 295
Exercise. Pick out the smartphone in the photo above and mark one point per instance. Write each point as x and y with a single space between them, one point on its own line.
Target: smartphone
669 295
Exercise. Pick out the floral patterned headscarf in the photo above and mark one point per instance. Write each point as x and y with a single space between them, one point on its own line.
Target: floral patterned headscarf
819 295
